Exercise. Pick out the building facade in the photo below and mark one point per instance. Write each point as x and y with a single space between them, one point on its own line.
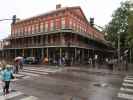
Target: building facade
64 32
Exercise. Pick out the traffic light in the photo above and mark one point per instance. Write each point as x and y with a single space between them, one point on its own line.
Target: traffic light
14 19
92 21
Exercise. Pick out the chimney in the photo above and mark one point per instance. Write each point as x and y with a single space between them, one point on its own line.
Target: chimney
58 6
92 21
13 19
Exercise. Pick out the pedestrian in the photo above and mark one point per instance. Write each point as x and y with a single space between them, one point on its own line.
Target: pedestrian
46 60
7 75
21 64
63 61
2 68
16 65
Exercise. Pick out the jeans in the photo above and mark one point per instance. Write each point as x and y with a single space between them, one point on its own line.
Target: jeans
6 87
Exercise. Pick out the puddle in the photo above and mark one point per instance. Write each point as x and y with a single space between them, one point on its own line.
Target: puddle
101 84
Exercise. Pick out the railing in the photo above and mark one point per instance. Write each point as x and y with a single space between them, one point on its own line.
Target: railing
64 44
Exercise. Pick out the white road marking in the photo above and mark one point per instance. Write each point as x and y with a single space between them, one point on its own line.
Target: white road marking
128 78
25 77
30 98
125 96
18 75
35 72
42 70
126 89
14 79
27 73
130 81
127 84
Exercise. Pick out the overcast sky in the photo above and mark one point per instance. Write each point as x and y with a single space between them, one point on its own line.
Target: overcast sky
101 10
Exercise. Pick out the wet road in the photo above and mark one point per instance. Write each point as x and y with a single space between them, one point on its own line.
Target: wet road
72 85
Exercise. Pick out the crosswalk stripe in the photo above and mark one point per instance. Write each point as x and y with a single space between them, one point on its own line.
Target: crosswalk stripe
35 72
131 81
25 77
30 74
2 98
46 70
129 78
30 98
14 80
127 84
125 96
13 94
126 89
18 75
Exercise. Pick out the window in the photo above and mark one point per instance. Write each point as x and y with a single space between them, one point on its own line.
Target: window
41 27
78 27
21 31
74 25
18 31
57 24
46 27
70 23
32 29
29 29
37 28
63 23
52 25
25 30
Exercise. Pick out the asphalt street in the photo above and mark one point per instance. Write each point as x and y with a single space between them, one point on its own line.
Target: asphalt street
44 83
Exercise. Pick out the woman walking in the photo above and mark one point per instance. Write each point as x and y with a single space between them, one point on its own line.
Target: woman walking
7 75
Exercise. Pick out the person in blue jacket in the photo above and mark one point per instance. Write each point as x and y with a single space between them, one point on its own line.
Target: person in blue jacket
7 75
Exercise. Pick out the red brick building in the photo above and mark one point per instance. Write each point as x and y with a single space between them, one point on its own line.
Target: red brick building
64 32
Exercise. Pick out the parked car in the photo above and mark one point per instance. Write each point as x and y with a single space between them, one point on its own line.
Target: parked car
32 60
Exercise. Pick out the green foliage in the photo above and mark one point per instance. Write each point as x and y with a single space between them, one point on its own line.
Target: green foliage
119 24
130 29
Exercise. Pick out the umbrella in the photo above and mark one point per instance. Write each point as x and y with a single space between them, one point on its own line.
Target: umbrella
18 58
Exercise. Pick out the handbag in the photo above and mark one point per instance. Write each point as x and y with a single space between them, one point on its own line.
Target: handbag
12 77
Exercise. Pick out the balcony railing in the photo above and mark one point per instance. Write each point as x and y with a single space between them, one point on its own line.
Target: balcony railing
54 44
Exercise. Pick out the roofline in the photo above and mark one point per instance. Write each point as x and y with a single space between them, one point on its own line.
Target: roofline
46 14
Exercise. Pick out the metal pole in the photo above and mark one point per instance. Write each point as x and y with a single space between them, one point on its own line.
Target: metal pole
119 50
130 55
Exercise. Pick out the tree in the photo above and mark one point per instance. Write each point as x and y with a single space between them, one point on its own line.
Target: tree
119 24
130 27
